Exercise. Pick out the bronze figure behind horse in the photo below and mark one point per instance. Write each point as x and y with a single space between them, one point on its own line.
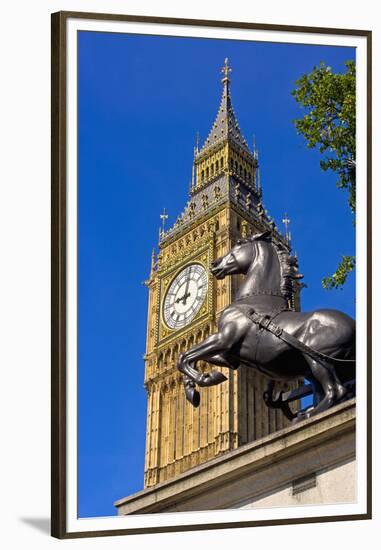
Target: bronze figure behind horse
326 355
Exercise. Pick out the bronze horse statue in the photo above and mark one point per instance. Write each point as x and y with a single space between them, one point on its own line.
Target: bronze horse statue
259 330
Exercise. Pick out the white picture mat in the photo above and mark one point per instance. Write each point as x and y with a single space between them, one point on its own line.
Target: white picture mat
189 518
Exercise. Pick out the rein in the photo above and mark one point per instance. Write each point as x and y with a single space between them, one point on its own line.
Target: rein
261 293
264 322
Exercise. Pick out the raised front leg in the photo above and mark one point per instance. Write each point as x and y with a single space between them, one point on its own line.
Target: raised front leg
211 348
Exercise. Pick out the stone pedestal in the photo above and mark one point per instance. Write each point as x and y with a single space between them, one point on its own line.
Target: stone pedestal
312 462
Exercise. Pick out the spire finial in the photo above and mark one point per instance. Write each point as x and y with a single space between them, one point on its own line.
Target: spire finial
225 71
286 222
163 217
255 150
259 181
153 261
195 150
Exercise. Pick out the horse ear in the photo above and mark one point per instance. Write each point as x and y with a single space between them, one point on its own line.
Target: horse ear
262 236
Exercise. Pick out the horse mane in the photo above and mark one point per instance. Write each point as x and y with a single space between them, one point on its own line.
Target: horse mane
289 266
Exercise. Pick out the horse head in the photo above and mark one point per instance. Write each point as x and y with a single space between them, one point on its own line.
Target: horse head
240 257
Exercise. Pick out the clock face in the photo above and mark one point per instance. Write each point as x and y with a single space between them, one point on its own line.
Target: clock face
185 296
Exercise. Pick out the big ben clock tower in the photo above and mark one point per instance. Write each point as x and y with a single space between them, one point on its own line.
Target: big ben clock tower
185 302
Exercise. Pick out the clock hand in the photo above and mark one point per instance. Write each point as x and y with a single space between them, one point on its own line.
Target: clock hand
182 298
186 293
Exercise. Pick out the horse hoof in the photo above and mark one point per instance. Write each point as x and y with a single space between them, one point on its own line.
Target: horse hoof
192 396
212 379
302 415
341 392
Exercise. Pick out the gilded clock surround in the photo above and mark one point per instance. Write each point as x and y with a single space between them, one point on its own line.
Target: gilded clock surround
224 205
203 258
177 313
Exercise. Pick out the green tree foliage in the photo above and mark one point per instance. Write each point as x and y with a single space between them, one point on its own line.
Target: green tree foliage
346 265
329 124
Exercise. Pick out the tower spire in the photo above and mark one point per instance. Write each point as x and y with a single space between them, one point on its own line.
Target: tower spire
225 126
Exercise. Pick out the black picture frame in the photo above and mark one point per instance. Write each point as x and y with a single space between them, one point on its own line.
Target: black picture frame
59 257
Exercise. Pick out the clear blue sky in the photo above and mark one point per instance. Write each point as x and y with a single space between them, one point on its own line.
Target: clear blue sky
141 102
